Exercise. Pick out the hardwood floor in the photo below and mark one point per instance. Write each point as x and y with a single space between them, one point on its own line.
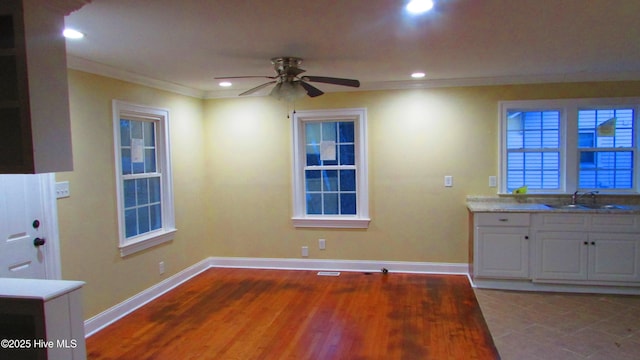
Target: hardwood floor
276 314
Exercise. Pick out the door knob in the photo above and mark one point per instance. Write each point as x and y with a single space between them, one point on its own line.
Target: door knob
38 242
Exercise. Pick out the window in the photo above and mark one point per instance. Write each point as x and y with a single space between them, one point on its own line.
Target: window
562 146
330 169
143 175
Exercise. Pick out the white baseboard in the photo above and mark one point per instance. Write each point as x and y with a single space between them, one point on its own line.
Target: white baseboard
340 265
113 314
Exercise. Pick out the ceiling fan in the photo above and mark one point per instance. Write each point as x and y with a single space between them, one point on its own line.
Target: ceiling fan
289 84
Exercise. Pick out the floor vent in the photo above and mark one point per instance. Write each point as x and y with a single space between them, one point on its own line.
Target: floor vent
328 273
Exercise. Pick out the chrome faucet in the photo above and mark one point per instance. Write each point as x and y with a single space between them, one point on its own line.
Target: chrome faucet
576 195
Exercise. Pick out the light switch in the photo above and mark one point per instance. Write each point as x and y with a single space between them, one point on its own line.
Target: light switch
62 190
493 181
448 181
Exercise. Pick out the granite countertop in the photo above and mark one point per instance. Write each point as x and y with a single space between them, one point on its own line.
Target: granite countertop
511 204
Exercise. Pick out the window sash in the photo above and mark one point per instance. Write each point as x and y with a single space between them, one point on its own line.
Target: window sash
145 192
348 204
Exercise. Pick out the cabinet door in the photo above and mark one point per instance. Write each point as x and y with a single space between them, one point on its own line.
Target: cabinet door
502 252
614 257
561 255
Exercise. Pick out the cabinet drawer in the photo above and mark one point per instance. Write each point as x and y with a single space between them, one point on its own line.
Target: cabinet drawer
502 219
561 222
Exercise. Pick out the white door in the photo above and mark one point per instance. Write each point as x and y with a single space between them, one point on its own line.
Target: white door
28 236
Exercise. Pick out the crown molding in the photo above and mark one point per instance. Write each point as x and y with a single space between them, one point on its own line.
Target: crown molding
81 64
65 7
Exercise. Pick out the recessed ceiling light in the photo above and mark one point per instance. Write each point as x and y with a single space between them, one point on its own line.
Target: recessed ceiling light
224 84
417 75
72 34
419 6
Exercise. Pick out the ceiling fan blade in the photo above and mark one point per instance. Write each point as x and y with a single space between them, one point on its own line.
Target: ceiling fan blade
312 91
332 80
259 87
244 77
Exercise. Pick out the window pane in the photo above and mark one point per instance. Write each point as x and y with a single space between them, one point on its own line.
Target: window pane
313 155
312 180
142 192
125 133
129 193
150 160
330 180
330 203
143 219
348 204
155 216
347 155
126 161
329 131
154 190
136 130
138 167
347 180
312 133
131 222
346 131
314 203
149 134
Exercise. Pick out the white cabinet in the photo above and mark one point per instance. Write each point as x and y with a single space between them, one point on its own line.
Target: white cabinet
501 246
35 129
42 318
594 248
561 255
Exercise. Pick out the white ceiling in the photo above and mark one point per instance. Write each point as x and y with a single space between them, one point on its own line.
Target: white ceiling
183 44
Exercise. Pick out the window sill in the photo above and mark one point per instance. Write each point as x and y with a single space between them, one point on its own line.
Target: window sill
331 222
147 241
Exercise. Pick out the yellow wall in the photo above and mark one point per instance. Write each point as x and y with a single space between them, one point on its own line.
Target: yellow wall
88 219
232 176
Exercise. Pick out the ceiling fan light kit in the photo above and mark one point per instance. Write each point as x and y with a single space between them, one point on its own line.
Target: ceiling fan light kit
289 85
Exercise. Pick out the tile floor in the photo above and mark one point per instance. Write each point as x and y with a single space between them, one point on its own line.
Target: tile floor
531 325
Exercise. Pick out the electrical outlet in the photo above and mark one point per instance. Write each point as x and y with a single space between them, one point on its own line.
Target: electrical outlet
62 190
305 251
322 244
161 267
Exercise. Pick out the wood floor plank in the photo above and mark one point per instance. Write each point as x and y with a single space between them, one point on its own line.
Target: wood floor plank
276 314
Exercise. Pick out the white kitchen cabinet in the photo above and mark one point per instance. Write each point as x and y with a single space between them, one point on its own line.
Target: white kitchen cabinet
501 246
561 255
614 257
42 318
35 128
594 248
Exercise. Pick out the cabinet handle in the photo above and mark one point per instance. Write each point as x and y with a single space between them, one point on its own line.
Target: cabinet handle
503 220
593 243
526 237
586 243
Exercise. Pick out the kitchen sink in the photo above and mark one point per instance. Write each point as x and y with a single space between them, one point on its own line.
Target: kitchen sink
587 206
567 206
606 206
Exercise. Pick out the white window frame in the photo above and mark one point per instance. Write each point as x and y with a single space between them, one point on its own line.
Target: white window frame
300 218
161 118
569 152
